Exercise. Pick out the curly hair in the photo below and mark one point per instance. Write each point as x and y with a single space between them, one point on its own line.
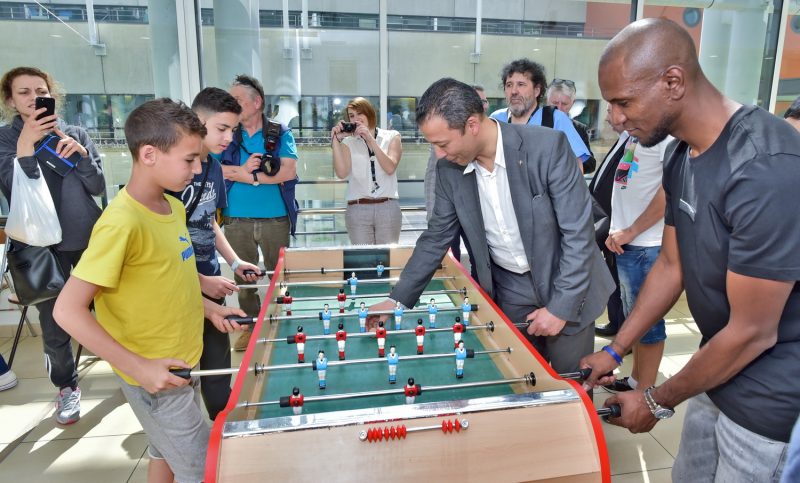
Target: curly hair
7 112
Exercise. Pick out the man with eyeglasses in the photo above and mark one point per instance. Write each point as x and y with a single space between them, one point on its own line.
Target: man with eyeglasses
525 83
561 95
260 169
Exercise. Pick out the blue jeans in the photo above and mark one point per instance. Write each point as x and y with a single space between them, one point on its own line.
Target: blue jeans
714 449
791 472
632 268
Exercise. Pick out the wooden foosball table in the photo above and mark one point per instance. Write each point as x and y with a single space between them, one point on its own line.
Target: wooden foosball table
509 417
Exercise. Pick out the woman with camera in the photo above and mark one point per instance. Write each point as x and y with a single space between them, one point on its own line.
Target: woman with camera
71 190
367 157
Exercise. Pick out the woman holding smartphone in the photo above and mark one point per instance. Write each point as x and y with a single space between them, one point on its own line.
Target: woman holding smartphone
367 157
72 197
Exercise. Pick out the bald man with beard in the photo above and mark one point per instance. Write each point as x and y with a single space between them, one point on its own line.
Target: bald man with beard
732 241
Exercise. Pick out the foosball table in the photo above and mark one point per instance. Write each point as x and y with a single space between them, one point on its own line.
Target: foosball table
450 391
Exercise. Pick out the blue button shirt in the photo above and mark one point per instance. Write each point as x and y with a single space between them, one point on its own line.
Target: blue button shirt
264 200
560 123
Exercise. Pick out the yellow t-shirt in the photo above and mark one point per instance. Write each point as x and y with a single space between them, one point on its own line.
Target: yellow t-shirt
149 298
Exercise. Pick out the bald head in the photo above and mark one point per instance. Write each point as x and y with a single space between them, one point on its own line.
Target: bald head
649 47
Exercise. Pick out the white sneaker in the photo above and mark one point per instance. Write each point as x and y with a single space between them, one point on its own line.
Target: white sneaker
8 380
68 405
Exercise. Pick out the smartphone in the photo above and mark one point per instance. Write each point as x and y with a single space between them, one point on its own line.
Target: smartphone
47 102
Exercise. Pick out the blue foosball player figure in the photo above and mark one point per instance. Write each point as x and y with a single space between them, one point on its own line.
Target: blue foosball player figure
353 282
461 356
362 317
392 359
432 311
379 269
466 308
398 316
326 320
322 367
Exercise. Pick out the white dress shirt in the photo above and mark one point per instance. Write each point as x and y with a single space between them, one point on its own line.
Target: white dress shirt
499 219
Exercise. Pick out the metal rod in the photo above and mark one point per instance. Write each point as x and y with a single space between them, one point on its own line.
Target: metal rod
489 326
323 270
350 314
369 296
335 282
374 360
387 392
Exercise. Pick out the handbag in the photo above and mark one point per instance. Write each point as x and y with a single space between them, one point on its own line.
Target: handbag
36 273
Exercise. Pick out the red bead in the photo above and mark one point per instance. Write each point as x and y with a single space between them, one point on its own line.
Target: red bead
392 432
458 425
401 431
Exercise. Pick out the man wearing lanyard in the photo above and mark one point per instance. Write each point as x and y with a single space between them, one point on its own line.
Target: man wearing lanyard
525 84
258 215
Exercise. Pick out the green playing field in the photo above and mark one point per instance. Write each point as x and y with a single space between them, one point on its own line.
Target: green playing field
372 376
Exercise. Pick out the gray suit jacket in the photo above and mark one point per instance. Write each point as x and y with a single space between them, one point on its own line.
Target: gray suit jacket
553 210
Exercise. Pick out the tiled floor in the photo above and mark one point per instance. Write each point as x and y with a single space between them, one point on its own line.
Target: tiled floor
108 445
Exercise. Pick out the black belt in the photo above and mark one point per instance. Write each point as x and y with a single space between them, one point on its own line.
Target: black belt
368 201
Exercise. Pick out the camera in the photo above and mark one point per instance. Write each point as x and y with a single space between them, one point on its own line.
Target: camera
348 126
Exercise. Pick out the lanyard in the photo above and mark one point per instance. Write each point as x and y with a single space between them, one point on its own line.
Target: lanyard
372 160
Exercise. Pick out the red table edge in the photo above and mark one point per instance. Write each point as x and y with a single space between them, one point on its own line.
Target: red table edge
215 440
588 404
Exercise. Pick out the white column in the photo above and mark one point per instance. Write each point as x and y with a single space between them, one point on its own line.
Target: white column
383 48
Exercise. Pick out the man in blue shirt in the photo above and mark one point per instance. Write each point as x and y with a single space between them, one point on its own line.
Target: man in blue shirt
525 84
261 210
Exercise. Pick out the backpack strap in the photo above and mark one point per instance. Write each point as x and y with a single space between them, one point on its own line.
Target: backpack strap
547 116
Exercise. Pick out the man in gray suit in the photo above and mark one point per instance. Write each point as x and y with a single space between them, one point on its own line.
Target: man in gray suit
525 209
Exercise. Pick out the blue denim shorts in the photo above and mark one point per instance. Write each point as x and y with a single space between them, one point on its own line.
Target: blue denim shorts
632 268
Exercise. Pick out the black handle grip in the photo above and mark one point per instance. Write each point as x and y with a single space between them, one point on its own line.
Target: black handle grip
615 411
253 272
241 320
182 372
587 371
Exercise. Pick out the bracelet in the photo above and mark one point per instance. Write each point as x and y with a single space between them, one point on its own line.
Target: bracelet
235 264
613 354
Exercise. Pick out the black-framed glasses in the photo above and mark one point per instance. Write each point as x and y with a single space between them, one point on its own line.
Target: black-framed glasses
565 82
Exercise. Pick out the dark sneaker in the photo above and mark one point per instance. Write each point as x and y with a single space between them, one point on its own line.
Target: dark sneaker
68 405
606 330
620 385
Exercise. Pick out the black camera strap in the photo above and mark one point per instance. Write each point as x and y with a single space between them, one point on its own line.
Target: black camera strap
372 160
196 200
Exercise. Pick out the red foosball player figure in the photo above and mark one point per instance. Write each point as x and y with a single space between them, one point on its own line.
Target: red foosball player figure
411 391
287 303
341 337
296 401
300 340
342 298
419 330
458 330
380 334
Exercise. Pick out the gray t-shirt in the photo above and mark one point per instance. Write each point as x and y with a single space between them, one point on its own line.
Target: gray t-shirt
735 207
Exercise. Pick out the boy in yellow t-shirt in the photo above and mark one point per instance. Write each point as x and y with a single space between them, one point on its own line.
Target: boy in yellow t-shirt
140 270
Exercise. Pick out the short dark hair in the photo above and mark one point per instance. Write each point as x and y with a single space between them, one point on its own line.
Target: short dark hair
161 123
534 71
252 83
452 100
793 111
215 100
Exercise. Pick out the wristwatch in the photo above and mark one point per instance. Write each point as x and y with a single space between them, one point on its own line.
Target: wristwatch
659 411
255 178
